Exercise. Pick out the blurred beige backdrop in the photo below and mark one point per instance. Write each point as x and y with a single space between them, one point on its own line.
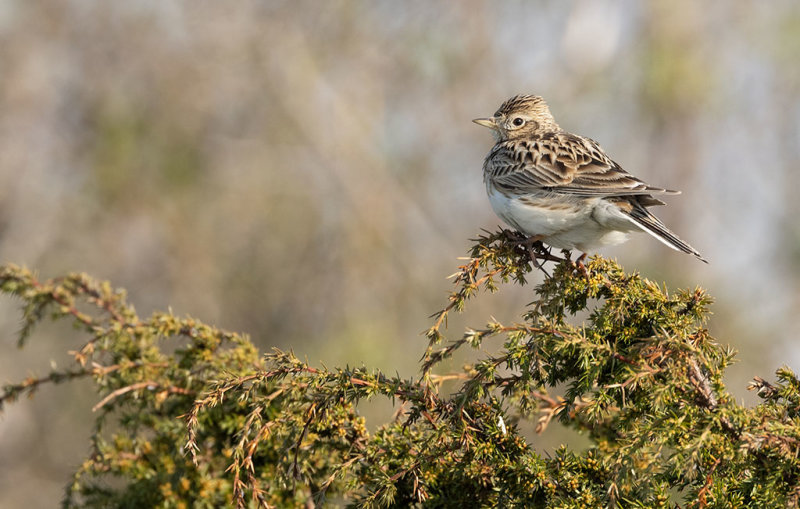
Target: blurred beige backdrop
307 171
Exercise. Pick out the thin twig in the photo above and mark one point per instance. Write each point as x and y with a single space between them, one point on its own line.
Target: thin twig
135 387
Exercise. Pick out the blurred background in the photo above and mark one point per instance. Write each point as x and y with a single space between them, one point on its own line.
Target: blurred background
307 172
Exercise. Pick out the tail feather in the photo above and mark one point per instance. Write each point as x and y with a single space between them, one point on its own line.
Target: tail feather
653 225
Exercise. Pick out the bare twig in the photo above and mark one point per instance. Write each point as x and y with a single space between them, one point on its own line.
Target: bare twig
135 387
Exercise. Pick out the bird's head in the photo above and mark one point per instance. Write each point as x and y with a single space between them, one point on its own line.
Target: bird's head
522 116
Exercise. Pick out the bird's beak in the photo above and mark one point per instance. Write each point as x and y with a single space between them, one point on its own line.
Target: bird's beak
487 122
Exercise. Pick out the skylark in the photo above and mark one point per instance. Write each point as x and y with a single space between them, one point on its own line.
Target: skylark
561 188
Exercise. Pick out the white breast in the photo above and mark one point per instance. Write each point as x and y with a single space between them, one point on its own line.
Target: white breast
566 222
538 215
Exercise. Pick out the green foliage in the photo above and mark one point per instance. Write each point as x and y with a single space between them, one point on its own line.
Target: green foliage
190 415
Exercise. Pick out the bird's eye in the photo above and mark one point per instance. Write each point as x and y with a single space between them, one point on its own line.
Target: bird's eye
518 121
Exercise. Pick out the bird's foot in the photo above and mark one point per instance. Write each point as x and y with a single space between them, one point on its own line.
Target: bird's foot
531 244
580 267
515 236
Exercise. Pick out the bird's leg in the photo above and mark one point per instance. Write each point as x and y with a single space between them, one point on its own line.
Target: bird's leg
528 244
514 236
580 266
531 244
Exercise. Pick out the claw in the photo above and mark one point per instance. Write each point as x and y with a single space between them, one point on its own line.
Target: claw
538 253
530 244
580 266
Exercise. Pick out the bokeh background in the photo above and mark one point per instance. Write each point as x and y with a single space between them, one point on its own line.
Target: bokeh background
307 171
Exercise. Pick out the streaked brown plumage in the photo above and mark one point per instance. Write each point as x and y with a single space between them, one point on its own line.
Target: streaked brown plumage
563 188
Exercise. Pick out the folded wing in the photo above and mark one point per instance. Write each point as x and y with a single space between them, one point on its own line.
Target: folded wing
563 163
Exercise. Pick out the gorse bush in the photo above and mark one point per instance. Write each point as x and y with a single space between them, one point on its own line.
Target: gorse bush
192 416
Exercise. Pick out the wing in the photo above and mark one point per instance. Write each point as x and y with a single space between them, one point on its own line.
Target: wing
563 163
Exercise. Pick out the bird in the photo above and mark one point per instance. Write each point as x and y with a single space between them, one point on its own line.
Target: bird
562 188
